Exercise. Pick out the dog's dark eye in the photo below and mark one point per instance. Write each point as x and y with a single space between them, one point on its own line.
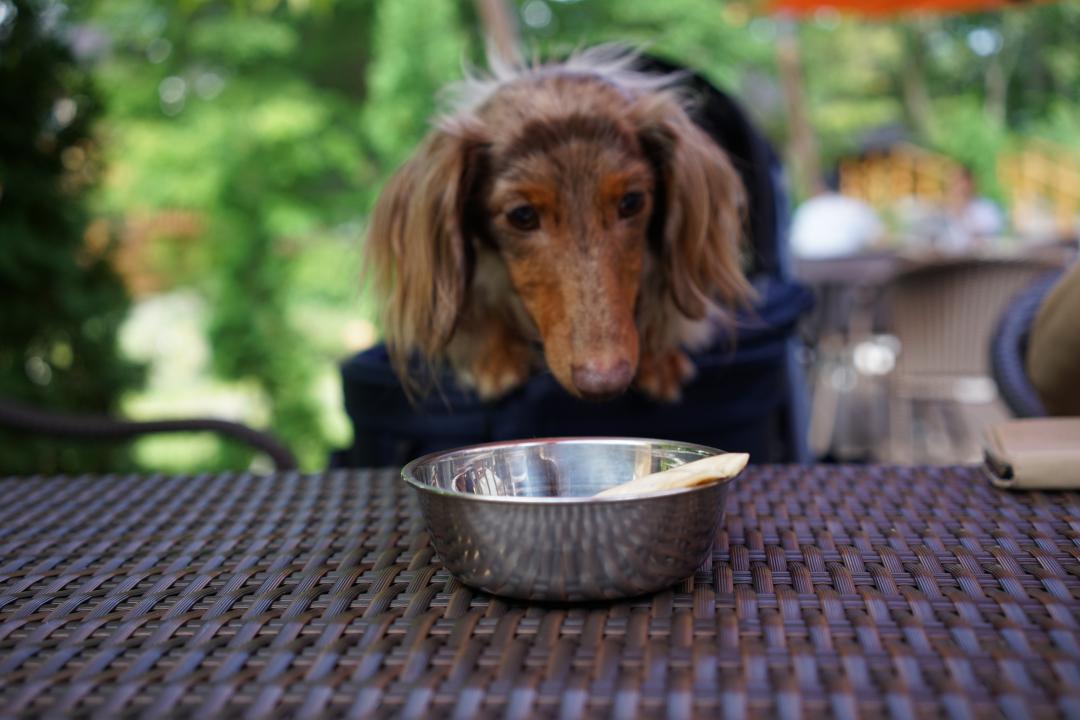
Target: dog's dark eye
631 203
524 217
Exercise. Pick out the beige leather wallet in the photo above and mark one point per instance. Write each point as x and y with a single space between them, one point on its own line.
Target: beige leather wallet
1041 453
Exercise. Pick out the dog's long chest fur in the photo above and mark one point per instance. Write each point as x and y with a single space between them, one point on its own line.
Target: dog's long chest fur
574 207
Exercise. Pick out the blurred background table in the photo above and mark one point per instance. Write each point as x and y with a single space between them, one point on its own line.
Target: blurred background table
915 592
900 346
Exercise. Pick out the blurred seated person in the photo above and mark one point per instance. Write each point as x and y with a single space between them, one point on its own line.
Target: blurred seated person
832 225
1053 354
972 221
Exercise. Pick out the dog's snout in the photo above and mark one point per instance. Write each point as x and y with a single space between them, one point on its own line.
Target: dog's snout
601 380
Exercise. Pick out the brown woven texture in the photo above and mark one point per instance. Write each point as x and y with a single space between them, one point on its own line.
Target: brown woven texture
841 590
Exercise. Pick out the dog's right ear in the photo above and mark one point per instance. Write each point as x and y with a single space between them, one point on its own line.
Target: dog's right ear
416 246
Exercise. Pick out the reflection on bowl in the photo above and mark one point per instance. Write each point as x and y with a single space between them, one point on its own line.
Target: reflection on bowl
518 519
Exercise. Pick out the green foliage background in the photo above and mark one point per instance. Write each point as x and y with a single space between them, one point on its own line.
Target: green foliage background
62 303
276 122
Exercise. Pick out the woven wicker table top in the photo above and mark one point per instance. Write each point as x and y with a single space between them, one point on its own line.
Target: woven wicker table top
852 591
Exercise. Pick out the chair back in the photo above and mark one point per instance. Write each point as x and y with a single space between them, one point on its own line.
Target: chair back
944 313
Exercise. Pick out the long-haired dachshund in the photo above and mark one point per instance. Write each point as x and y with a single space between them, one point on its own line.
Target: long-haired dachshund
571 213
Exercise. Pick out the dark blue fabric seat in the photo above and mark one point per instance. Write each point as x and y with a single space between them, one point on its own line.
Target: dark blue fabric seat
748 395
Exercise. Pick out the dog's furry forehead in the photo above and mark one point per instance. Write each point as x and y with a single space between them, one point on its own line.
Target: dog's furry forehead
614 69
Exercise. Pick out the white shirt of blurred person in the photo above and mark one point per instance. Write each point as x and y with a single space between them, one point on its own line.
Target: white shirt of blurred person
833 225
972 222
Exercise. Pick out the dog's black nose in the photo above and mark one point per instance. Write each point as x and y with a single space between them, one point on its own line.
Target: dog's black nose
600 380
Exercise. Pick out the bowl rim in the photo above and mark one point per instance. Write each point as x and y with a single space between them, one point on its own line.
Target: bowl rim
407 471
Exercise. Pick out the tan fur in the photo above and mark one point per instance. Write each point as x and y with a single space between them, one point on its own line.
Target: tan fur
461 283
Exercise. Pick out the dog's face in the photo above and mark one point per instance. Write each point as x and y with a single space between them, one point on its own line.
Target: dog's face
567 207
588 195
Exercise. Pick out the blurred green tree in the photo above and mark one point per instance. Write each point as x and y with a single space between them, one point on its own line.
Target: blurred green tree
276 123
419 46
967 85
62 302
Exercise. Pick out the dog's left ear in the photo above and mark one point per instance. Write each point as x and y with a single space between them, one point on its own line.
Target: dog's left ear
699 208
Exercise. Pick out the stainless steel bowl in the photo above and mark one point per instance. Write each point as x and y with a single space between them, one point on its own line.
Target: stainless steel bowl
517 519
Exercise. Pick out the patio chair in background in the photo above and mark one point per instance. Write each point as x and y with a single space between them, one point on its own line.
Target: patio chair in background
942 393
25 419
749 396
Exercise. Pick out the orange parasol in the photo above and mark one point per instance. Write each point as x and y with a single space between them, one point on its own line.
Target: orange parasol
892 7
